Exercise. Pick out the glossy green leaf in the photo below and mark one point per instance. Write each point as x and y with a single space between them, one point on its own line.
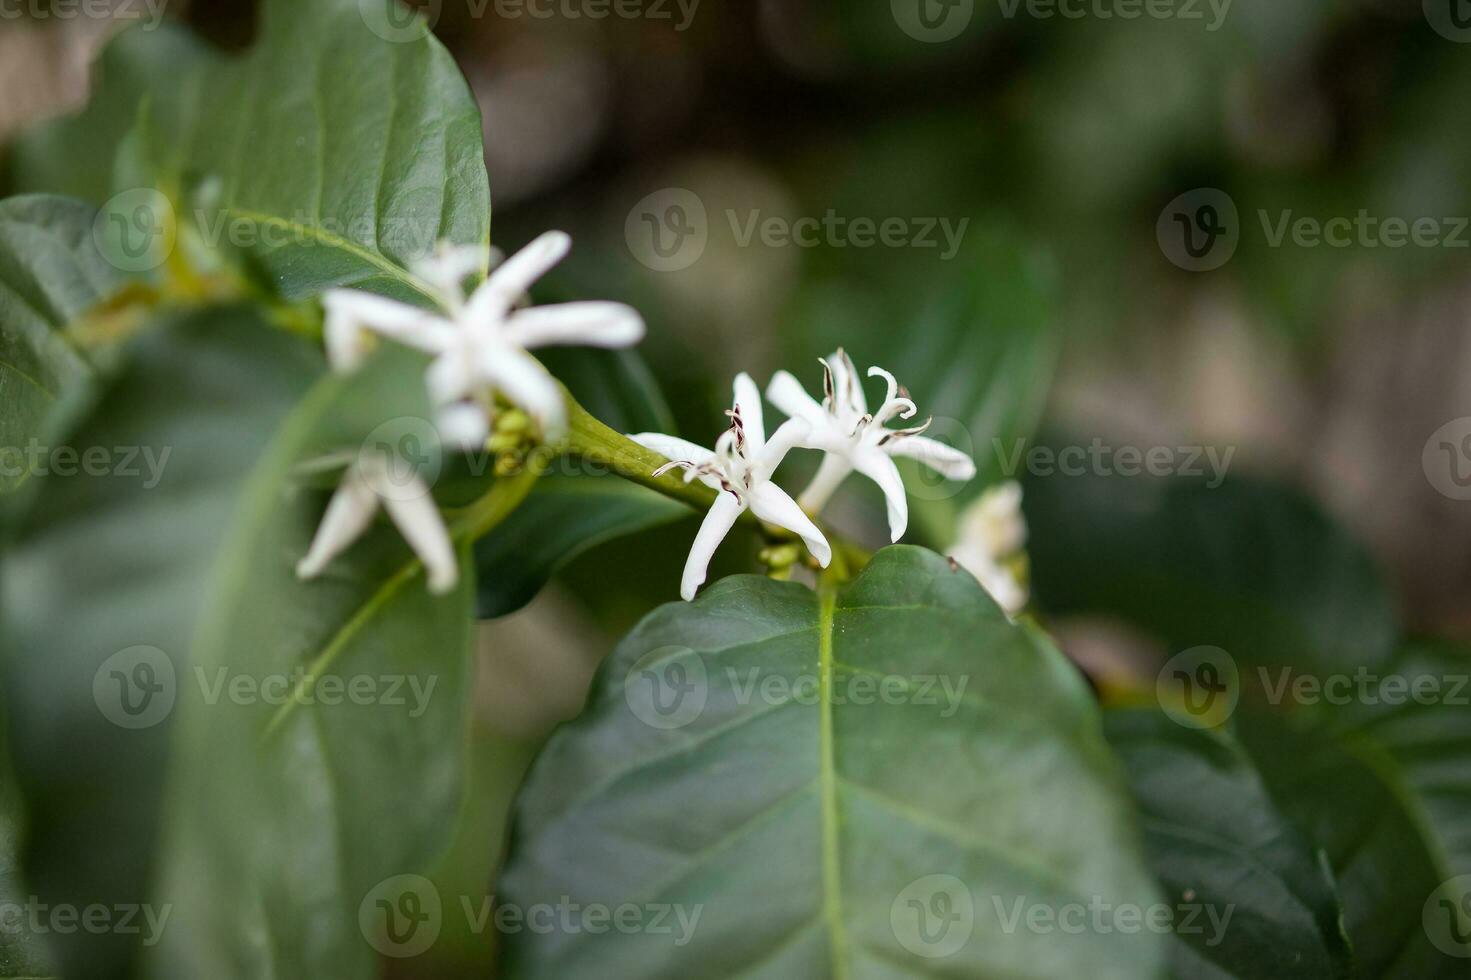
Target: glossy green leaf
50 273
102 590
1250 567
337 153
1260 901
738 768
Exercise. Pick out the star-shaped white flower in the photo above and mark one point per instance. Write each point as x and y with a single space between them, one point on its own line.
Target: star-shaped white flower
375 480
480 342
740 467
991 530
855 439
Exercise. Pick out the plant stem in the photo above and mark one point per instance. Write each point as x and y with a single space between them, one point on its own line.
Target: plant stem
593 441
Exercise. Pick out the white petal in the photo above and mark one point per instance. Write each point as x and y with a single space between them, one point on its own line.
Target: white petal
717 524
949 462
348 515
451 378
787 394
414 512
527 385
748 402
463 425
673 447
450 265
847 385
585 324
513 277
771 503
833 471
347 343
879 468
400 322
788 436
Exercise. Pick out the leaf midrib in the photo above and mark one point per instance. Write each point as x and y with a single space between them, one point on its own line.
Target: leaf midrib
832 871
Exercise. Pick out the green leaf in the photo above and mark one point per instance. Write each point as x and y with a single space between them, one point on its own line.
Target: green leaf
22 950
109 563
338 156
1251 567
1261 902
738 763
50 273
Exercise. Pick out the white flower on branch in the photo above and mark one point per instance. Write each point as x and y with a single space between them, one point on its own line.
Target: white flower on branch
855 439
992 535
740 467
375 480
480 341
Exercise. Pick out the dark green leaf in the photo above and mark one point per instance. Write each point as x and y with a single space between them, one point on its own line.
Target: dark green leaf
50 273
737 762
1250 567
1262 903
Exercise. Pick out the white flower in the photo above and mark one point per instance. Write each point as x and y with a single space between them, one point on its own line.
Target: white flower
855 439
991 530
740 467
375 480
480 341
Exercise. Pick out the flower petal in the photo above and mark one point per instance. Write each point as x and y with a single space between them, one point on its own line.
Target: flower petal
513 277
413 510
771 503
945 460
348 515
595 324
448 266
527 385
748 403
717 524
788 436
673 447
463 425
397 321
451 377
787 394
830 475
879 468
847 386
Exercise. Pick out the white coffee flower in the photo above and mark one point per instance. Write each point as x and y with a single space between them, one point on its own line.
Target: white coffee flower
740 467
480 342
992 530
375 480
855 439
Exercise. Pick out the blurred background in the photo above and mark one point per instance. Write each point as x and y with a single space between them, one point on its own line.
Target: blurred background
1096 219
